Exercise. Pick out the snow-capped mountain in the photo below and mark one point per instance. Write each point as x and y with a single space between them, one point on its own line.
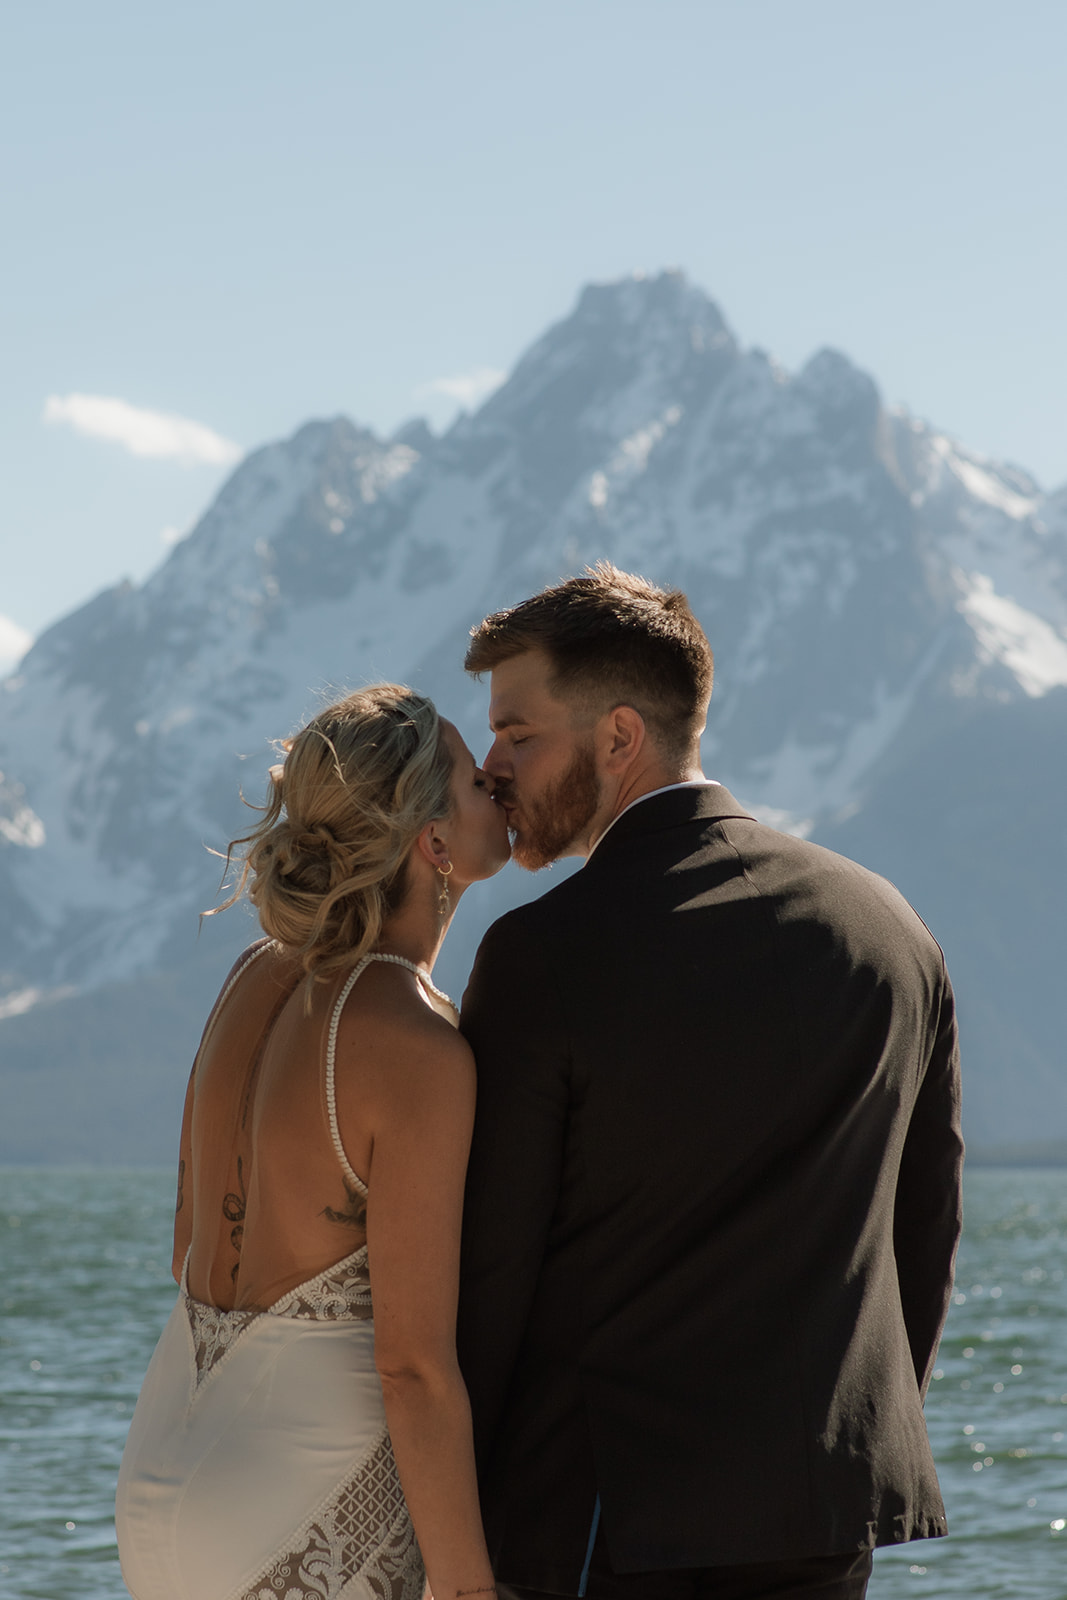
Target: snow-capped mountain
888 612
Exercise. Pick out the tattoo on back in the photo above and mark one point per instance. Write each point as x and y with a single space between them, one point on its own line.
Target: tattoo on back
354 1214
181 1188
233 1209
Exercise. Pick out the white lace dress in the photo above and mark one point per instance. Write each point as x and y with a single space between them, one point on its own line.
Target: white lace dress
258 1464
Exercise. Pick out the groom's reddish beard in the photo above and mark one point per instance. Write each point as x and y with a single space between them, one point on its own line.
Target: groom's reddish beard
552 820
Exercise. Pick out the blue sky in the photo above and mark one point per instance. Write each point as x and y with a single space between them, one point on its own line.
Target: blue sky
243 215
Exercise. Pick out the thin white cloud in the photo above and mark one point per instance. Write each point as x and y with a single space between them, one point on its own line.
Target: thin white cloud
140 431
466 388
14 642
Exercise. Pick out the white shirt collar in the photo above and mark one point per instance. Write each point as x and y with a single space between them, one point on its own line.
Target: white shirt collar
690 783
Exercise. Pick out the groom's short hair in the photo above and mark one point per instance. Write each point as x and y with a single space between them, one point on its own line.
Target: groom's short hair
612 637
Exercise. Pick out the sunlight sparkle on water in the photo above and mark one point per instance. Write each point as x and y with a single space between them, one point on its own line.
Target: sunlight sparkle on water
86 1293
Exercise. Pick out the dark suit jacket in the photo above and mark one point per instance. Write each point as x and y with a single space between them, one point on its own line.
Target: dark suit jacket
713 1203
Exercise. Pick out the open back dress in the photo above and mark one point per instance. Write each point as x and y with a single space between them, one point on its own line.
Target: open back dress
258 1464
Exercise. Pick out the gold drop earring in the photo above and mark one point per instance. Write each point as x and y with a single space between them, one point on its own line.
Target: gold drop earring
444 899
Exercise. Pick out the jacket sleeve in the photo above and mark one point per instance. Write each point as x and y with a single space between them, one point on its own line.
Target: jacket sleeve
929 1207
512 1019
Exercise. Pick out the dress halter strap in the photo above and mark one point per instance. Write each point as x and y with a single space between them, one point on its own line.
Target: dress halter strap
331 1046
423 977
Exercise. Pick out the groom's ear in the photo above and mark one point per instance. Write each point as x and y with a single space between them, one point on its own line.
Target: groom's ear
620 738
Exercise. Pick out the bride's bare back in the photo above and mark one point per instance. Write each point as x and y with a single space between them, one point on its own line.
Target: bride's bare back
269 1194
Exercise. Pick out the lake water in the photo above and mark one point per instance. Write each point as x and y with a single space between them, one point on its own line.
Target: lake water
86 1288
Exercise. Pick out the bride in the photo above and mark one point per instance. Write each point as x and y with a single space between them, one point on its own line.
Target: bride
295 1437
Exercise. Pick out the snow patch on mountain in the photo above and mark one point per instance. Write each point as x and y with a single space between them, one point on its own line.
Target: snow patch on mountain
631 458
981 479
1027 645
826 775
19 824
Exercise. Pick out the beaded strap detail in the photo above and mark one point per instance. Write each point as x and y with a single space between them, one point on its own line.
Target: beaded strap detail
331 1046
246 961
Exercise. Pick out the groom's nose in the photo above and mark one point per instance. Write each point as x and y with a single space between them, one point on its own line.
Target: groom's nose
496 763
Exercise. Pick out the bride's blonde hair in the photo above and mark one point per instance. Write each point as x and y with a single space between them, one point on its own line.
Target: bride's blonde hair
326 865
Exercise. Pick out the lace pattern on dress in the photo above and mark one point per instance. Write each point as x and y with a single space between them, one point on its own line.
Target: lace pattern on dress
340 1294
214 1333
363 1531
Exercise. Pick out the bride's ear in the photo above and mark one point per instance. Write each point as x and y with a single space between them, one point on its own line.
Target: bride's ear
431 846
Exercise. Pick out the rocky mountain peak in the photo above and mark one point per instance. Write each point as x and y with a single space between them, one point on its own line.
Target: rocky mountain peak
627 350
874 594
839 389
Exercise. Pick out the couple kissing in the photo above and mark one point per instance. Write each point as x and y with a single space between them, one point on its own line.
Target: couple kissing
626 1281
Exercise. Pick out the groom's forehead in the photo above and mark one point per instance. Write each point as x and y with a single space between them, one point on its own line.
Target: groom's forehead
518 686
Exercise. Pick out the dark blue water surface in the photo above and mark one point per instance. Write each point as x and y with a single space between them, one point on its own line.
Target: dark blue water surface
86 1287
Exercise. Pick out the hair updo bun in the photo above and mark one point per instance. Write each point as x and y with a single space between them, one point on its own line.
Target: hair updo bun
325 866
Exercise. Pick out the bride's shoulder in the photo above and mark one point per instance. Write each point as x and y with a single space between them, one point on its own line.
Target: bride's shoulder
406 1068
264 962
262 956
392 1023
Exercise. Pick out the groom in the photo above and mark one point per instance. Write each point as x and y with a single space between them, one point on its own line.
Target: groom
713 1200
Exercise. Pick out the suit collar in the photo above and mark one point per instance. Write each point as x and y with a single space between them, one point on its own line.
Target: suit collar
710 802
688 783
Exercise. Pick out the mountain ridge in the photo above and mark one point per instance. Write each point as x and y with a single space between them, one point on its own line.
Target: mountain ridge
874 593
